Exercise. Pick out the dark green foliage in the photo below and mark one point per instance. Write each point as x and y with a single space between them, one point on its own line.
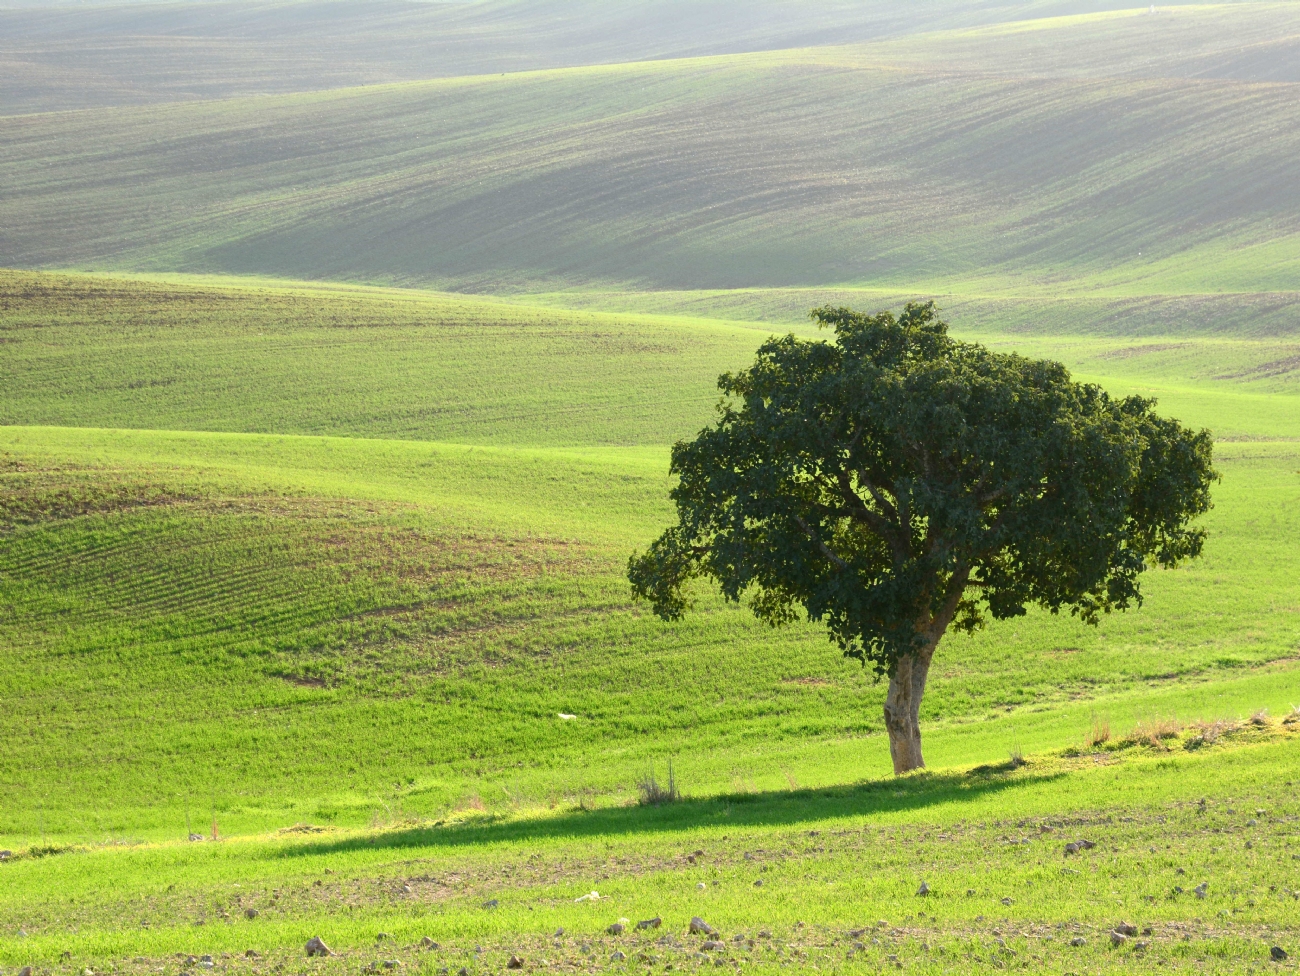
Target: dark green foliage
896 481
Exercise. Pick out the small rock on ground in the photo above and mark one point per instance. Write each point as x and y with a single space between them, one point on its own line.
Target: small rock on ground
316 947
701 927
650 923
515 963
615 929
1278 953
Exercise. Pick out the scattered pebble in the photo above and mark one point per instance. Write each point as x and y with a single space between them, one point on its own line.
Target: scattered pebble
428 943
1118 938
491 903
1125 928
922 891
616 929
589 896
1277 952
1008 901
1078 941
701 927
316 947
617 956
515 963
251 913
650 923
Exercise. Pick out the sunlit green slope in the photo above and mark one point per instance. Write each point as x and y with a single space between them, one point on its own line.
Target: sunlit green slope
231 355
1113 158
371 363
267 624
283 624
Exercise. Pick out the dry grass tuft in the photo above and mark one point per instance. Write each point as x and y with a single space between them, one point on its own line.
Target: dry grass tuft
1260 718
1155 732
1207 733
654 793
1100 733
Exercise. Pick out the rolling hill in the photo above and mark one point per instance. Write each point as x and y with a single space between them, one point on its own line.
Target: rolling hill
891 165
53 56
342 346
366 511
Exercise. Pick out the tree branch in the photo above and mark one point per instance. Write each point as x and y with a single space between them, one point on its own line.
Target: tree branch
825 549
890 531
956 587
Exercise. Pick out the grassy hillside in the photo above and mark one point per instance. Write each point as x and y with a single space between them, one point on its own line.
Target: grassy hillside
276 358
940 175
334 572
352 654
303 606
369 586
104 352
60 56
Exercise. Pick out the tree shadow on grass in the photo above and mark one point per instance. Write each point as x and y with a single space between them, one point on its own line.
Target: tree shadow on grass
735 810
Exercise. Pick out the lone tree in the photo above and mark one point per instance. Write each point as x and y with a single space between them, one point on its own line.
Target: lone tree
896 483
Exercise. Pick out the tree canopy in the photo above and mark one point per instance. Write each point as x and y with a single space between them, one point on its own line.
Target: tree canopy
896 482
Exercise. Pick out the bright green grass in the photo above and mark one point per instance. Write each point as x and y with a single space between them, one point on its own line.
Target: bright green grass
825 878
222 354
374 633
301 605
90 352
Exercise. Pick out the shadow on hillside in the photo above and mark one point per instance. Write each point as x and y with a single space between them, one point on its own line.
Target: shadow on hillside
771 809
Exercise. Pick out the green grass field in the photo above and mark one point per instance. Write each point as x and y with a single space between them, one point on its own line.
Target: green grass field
342 348
220 602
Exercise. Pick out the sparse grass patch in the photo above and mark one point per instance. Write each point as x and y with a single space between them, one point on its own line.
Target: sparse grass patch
1099 735
655 793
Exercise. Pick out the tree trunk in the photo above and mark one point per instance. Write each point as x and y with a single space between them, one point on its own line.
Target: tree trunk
902 709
